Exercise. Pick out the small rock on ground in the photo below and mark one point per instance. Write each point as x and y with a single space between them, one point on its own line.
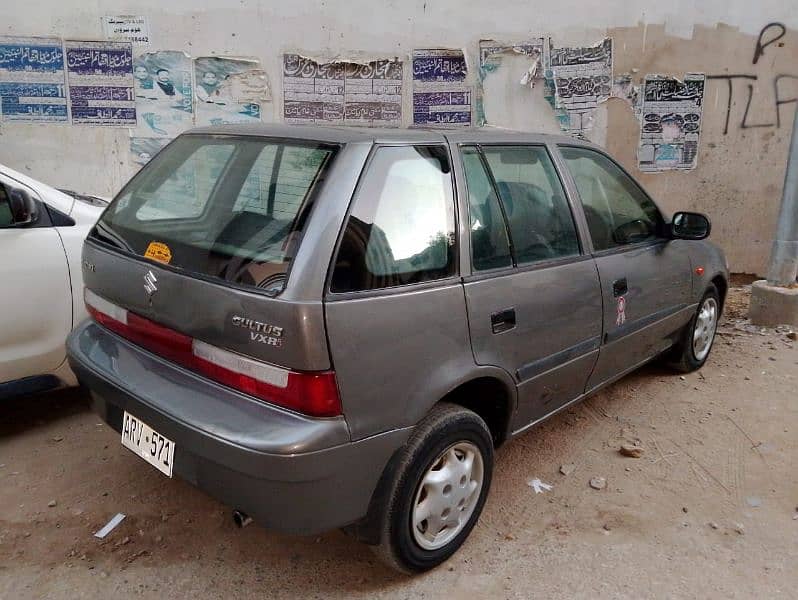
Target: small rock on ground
598 483
567 469
631 450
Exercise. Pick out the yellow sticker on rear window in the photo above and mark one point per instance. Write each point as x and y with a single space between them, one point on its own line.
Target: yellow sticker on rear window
159 251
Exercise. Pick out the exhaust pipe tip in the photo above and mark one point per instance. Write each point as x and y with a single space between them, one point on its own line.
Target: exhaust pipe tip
241 519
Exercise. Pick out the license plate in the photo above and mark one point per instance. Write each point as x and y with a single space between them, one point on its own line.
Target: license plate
148 443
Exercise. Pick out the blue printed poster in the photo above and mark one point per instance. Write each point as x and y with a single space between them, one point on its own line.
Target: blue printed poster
32 86
441 97
101 83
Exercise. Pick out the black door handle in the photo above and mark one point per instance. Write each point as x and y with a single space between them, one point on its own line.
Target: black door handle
619 287
504 320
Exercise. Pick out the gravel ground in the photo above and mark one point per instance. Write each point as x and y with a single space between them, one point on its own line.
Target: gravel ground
708 510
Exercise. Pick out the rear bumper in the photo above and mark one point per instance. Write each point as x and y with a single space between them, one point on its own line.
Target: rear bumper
289 472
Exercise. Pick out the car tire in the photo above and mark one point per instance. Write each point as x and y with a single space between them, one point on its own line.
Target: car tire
698 337
443 471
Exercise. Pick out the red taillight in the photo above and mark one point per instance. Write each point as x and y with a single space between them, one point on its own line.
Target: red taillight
314 394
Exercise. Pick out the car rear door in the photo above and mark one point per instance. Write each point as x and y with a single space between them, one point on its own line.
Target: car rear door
395 312
36 297
645 277
533 294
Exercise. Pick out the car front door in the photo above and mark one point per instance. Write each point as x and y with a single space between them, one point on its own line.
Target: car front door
533 294
645 277
36 297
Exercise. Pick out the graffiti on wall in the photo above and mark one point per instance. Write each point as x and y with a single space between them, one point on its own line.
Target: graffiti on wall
741 87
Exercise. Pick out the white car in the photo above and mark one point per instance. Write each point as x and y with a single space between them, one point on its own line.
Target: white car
41 237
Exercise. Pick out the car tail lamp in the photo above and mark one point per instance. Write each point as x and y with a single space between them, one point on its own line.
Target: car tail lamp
310 393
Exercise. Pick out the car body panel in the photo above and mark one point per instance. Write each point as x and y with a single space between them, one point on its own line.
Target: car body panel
43 298
395 354
659 291
550 324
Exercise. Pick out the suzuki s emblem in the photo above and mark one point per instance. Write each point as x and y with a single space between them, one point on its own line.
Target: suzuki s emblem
149 283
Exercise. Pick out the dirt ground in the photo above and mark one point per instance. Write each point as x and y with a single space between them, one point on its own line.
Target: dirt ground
708 510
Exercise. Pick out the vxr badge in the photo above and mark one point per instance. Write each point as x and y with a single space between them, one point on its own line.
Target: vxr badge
149 283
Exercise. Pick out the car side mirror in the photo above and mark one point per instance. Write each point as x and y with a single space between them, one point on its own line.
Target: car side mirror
690 226
23 208
631 231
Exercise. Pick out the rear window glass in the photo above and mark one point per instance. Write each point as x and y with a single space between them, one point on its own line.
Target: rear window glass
401 229
226 207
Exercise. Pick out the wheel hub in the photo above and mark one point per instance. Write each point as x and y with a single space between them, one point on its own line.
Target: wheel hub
447 495
704 330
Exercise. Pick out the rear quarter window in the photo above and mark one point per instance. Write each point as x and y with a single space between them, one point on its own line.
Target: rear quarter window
401 227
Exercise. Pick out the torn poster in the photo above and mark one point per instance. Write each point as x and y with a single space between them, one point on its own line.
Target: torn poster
32 84
164 94
495 56
229 90
671 122
100 77
343 92
142 149
623 87
579 79
126 28
441 96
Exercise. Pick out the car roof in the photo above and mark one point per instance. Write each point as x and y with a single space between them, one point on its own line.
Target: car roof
346 135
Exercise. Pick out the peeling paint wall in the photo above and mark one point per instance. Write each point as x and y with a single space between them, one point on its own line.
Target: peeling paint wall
740 171
744 130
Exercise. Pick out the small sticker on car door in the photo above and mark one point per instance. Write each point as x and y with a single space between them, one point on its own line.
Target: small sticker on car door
621 310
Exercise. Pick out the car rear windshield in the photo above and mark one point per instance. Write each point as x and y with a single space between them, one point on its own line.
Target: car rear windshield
227 207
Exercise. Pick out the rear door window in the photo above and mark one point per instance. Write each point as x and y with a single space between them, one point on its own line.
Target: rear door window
227 207
490 246
401 227
532 201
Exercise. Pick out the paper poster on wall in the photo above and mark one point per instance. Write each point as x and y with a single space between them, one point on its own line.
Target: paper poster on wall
229 90
142 149
32 80
495 56
351 93
126 28
579 79
100 78
671 122
164 93
441 96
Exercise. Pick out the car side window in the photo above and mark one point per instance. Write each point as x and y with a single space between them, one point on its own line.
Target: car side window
618 212
401 227
6 218
490 248
541 224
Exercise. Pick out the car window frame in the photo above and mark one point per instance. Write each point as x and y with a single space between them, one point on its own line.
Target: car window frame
655 240
576 213
454 278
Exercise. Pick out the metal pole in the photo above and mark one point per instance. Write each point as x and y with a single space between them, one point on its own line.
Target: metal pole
783 269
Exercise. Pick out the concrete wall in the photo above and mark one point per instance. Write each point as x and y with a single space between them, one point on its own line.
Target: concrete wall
741 162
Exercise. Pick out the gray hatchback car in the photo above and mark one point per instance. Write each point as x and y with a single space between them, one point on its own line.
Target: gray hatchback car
330 327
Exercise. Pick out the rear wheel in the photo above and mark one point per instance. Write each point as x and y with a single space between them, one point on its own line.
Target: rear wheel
439 488
693 349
